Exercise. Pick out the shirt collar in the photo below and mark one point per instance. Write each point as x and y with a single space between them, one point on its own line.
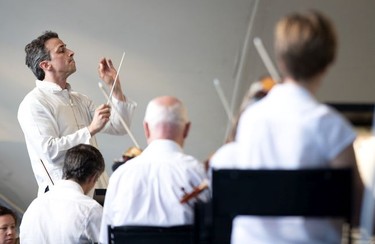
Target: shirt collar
164 145
69 184
293 90
51 86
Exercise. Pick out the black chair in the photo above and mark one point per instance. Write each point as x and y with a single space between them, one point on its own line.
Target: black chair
180 234
308 193
202 222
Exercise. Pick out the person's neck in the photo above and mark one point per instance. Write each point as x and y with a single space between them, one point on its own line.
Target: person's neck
60 81
179 141
86 188
312 85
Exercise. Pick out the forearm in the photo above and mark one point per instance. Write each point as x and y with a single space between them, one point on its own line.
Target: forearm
122 112
53 147
118 93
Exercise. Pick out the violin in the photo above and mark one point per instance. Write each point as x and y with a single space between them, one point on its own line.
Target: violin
196 191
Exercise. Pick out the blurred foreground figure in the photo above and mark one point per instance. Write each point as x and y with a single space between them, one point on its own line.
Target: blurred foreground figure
290 129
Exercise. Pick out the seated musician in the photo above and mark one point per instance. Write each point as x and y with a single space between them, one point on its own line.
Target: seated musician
147 189
66 214
290 129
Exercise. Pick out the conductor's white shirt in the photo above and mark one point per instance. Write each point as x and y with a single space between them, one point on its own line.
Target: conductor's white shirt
53 120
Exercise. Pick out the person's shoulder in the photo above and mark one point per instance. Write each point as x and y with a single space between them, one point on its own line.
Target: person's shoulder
188 159
35 206
190 164
225 156
31 96
327 125
35 100
89 203
328 115
256 109
132 166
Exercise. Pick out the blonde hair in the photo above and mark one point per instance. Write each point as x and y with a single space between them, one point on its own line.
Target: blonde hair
305 44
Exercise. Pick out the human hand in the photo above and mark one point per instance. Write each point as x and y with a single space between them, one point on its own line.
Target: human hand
101 117
108 73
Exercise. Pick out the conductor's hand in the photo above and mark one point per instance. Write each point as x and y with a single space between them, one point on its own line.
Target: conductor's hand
107 73
101 117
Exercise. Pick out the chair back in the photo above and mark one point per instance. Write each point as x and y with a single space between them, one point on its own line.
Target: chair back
180 234
303 192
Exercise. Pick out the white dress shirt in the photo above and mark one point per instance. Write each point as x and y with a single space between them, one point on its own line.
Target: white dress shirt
53 120
62 215
288 129
146 190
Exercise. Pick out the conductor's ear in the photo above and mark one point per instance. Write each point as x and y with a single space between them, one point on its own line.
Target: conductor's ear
45 65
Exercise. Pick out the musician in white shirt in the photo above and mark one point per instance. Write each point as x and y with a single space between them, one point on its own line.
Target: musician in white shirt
290 129
147 189
65 214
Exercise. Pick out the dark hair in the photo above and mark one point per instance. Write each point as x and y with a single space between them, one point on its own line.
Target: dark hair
36 52
305 44
7 211
81 162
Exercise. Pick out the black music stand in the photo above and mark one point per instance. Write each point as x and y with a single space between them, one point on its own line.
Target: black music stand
99 195
180 234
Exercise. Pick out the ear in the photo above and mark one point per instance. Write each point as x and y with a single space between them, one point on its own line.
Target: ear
186 130
45 65
146 129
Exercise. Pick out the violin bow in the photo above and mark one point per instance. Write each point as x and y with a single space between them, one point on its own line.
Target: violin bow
196 191
266 59
119 115
49 176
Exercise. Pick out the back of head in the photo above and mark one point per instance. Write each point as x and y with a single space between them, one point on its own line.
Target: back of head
36 52
166 117
305 44
82 162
